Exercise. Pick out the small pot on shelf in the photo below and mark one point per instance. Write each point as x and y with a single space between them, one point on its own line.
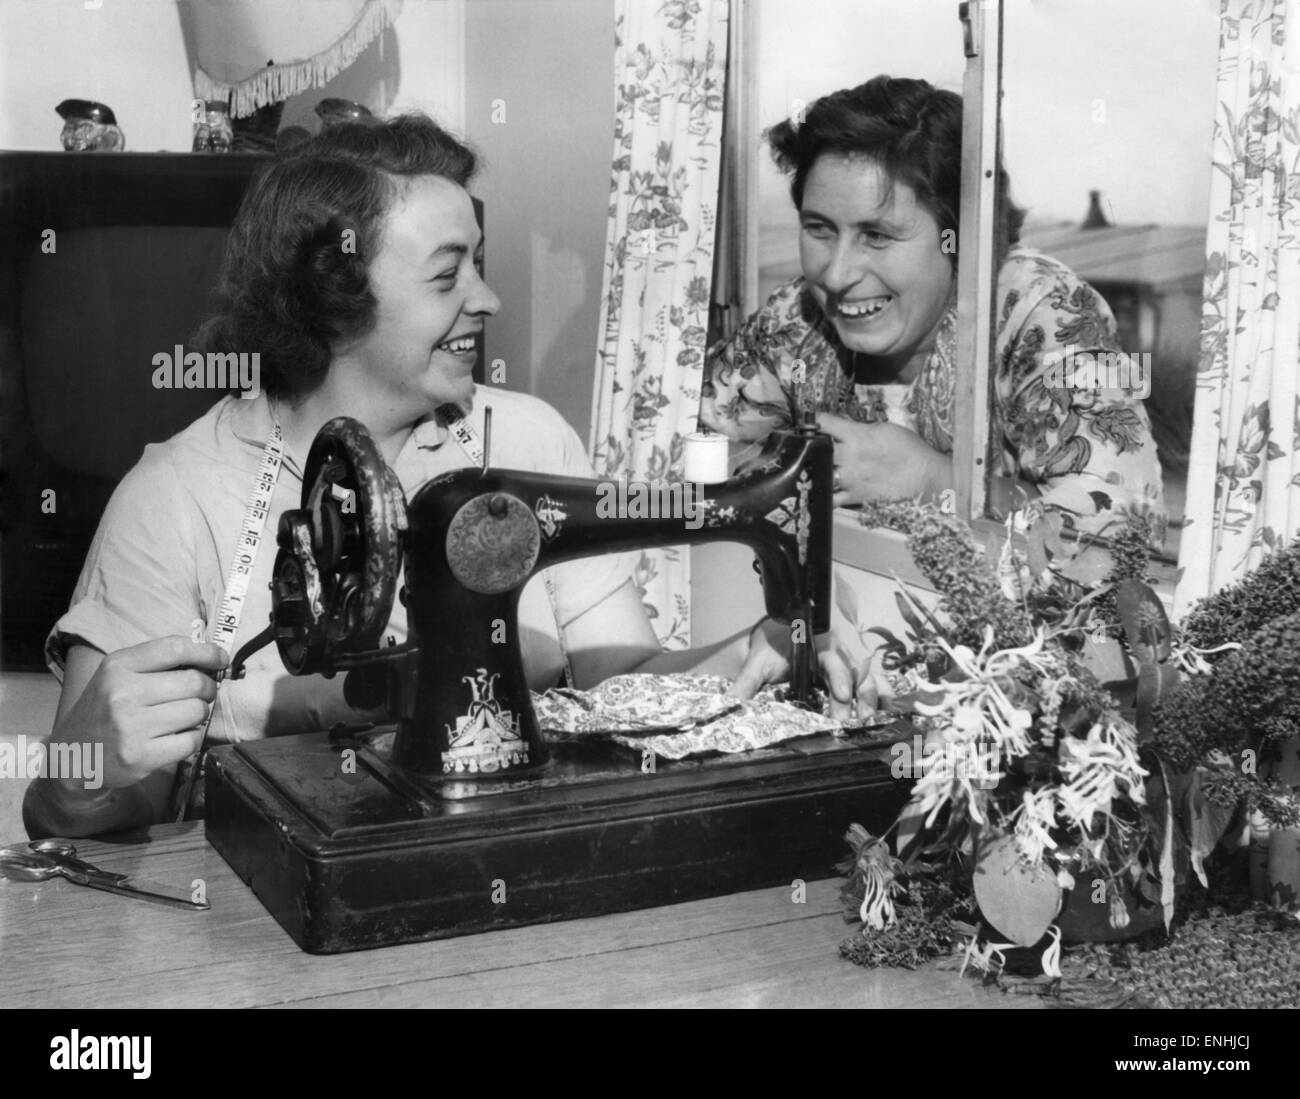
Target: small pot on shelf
89 127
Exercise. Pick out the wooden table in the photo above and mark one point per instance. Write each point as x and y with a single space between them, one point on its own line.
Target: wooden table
63 945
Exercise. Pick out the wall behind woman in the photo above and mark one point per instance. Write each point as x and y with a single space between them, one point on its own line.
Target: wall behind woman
535 95
131 55
539 106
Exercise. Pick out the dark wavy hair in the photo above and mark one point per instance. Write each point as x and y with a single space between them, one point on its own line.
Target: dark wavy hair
289 288
910 128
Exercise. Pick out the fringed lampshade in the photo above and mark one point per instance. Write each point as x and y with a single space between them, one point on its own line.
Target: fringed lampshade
309 43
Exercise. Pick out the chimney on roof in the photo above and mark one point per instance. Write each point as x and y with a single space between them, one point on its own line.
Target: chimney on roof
1094 219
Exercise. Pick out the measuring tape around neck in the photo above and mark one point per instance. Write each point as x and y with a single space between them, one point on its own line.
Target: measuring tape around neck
249 542
231 609
465 433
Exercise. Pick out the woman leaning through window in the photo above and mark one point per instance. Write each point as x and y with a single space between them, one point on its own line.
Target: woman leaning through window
871 327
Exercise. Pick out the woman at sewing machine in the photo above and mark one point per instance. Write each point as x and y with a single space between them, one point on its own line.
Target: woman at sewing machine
875 177
354 269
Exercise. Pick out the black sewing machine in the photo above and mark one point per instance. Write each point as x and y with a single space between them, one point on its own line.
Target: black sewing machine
461 817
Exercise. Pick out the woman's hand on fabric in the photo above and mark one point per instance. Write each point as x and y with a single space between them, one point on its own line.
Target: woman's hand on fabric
853 686
767 661
857 688
882 461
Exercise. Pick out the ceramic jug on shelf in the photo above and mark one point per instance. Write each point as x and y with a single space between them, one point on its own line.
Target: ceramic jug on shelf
89 127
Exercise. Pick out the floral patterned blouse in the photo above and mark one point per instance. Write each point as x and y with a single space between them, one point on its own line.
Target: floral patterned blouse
1088 450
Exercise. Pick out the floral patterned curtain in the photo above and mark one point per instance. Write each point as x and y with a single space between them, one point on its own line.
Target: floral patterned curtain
669 62
1243 483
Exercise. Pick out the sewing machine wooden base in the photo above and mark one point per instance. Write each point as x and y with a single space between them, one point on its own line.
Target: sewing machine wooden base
348 861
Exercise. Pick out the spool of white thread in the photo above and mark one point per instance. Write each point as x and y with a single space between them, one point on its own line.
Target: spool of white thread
704 458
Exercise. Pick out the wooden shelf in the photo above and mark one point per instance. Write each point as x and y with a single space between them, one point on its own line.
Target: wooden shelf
69 190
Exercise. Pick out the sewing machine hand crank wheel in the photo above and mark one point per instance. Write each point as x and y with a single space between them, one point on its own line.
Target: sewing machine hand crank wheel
340 552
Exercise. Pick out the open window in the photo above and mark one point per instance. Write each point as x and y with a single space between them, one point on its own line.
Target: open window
1071 99
1107 114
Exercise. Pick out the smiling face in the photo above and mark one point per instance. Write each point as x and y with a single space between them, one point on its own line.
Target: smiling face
871 256
432 302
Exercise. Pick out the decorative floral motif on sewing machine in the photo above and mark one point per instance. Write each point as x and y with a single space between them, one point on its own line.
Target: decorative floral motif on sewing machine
487 737
718 516
783 515
791 515
550 517
803 521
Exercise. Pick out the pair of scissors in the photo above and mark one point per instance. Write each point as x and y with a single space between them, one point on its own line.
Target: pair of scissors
44 859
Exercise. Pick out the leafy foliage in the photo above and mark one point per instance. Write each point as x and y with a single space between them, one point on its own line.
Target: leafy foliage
1236 612
1025 747
1059 772
932 906
1236 714
1131 552
945 552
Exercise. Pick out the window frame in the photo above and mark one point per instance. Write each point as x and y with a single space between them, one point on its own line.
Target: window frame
976 247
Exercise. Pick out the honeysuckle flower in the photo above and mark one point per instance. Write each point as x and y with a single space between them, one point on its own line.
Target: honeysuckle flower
976 706
1190 660
967 718
1014 575
999 762
938 782
1052 955
877 909
1119 917
979 726
1034 820
988 958
878 869
1097 769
